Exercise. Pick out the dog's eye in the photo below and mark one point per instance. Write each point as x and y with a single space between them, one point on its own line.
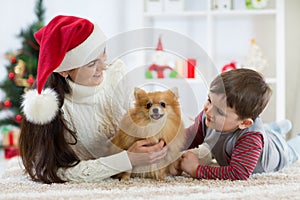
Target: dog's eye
148 106
162 104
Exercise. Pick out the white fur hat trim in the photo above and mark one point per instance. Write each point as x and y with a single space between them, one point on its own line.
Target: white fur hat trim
40 108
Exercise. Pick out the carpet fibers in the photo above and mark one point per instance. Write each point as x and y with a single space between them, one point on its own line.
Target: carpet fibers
284 184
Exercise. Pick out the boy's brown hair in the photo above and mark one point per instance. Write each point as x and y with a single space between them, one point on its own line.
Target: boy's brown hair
246 91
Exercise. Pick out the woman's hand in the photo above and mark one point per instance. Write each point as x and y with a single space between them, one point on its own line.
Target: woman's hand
143 152
189 163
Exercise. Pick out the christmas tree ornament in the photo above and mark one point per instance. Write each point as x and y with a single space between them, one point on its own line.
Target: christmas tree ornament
11 57
11 75
255 59
7 103
69 40
19 118
13 60
30 80
20 70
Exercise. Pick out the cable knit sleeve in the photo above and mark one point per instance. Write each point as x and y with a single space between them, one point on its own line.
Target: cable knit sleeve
119 97
96 170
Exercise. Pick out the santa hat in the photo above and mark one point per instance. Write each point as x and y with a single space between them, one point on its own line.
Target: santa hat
66 42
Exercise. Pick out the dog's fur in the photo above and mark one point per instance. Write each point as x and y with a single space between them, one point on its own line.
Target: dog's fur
155 116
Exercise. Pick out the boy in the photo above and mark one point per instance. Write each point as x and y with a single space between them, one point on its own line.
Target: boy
231 128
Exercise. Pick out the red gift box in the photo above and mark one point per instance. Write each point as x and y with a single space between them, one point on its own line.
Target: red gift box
191 64
11 151
11 143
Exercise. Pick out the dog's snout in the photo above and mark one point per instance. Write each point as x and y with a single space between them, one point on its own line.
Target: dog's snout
155 110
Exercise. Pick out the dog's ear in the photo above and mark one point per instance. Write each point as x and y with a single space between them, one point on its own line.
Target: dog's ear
138 92
174 90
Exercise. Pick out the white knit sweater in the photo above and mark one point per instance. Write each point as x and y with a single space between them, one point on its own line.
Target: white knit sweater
94 114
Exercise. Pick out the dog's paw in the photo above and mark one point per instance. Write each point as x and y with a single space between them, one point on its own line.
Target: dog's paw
174 169
125 176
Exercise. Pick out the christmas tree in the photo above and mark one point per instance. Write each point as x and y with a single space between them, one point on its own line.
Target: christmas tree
21 70
255 59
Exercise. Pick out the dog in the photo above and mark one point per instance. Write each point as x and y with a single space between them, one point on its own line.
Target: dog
155 116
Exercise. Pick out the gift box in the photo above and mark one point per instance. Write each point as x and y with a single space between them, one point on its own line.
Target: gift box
191 65
11 151
10 143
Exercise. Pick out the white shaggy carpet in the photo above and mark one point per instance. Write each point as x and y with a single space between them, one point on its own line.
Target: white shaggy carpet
280 185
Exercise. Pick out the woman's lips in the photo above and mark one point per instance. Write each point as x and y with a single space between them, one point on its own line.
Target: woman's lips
98 76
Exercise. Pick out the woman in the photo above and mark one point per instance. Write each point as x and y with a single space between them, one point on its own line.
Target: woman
73 112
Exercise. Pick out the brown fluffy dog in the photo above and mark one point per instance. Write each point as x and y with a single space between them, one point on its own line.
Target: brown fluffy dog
155 116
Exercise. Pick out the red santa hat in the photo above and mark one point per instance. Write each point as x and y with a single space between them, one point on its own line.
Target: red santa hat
66 42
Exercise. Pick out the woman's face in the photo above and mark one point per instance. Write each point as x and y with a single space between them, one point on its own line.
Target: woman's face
90 74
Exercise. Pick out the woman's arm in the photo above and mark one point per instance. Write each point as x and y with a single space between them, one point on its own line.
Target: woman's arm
96 170
140 153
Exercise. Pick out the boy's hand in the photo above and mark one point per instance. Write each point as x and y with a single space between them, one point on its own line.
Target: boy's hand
189 163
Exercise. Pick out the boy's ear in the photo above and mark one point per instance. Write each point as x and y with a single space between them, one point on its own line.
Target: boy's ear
245 123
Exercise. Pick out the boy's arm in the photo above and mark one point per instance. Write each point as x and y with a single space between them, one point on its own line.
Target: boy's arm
243 161
194 133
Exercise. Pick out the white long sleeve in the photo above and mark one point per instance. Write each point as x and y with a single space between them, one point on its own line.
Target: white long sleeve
96 170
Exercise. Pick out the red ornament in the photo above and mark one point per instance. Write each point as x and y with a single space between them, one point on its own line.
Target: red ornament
11 75
228 67
13 60
30 80
19 118
7 103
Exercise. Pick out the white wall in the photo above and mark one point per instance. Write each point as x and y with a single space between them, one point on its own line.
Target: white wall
115 16
293 63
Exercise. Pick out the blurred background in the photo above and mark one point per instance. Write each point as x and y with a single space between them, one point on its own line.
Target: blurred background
234 33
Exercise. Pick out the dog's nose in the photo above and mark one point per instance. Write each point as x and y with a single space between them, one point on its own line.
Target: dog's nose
155 110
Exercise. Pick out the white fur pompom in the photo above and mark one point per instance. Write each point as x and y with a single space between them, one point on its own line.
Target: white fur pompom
40 108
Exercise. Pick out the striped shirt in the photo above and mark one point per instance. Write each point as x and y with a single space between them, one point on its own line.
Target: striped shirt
240 153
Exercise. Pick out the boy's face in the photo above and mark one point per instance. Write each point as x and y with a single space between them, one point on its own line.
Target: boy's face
219 116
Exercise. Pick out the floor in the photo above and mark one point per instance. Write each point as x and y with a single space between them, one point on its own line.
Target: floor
3 162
